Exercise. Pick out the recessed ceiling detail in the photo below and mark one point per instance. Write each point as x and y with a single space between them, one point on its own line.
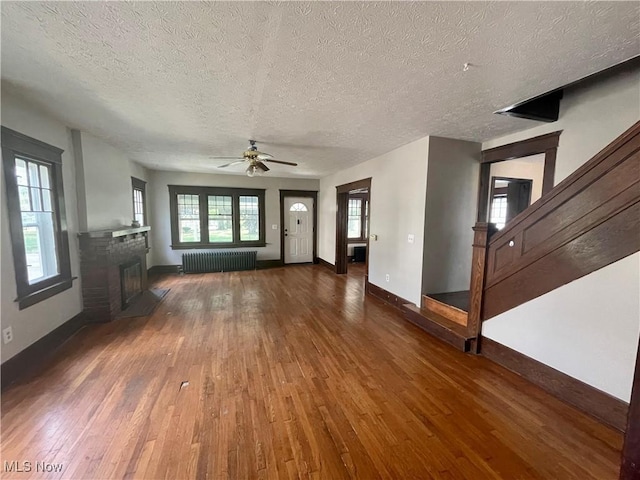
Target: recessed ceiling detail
322 84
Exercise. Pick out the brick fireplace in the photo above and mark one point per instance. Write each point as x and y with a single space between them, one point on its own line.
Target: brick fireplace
114 270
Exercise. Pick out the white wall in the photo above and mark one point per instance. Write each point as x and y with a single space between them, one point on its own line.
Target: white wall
106 179
158 197
587 329
37 320
590 117
397 199
138 171
531 168
452 196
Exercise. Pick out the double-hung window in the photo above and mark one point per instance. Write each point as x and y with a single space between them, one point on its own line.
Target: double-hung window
35 203
215 217
499 210
357 218
138 189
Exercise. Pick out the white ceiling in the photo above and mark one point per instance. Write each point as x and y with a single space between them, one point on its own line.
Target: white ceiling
324 84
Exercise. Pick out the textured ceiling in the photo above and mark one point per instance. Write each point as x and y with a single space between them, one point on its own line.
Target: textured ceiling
173 83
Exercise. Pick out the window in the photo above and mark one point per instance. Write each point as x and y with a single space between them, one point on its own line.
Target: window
499 211
139 200
354 225
220 218
298 207
213 217
249 218
188 218
357 218
35 202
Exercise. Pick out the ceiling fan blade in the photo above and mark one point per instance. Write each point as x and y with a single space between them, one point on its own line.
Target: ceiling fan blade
280 161
262 166
232 163
264 156
227 158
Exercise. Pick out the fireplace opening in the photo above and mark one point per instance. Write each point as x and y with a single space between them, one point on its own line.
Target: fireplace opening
130 281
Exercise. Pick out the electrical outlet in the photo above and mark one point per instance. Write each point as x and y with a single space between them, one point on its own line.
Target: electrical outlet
7 335
386 277
411 238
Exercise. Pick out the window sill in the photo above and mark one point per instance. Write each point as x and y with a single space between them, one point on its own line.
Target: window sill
216 246
48 292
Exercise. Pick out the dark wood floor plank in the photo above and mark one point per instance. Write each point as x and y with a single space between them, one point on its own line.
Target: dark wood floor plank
293 373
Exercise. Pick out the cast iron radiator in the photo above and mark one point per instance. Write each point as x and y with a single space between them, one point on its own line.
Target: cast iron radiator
218 261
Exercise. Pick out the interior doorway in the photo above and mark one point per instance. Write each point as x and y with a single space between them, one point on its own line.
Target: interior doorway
298 226
532 159
352 225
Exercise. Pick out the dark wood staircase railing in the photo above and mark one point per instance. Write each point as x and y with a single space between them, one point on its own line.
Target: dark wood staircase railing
589 220
586 222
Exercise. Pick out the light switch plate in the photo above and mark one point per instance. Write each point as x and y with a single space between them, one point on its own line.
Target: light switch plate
274 227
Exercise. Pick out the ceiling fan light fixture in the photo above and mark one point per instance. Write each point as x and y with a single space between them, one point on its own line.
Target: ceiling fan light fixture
255 159
253 170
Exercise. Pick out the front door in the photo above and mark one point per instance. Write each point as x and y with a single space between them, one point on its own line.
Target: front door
298 230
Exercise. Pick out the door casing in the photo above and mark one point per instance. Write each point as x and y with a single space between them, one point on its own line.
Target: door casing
342 200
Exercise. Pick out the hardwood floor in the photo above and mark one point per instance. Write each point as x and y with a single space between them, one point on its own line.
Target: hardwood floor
292 374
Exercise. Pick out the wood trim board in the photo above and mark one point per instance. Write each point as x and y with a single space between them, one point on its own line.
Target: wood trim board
606 408
324 263
630 468
452 335
384 295
36 355
523 148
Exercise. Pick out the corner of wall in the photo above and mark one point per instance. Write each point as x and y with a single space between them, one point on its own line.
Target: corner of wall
81 193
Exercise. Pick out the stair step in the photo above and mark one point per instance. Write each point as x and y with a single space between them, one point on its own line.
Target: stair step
438 326
446 310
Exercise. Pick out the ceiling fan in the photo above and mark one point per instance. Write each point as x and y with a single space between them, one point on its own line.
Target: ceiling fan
255 159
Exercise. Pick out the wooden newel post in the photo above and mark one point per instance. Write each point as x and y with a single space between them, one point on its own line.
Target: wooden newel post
478 267
630 468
